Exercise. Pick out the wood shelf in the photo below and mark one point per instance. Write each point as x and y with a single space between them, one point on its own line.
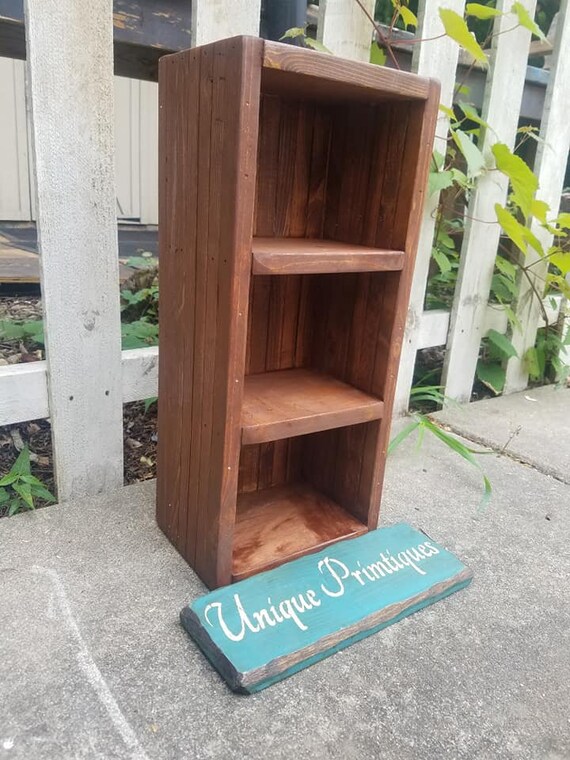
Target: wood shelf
293 402
282 255
279 524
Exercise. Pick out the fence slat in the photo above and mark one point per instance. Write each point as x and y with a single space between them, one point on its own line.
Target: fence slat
216 19
70 67
550 168
344 28
24 388
501 108
434 58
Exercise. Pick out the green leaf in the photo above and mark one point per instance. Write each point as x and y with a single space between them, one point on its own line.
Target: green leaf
502 343
472 154
460 178
441 260
466 453
481 11
532 363
456 28
472 114
31 330
148 402
525 20
447 111
437 159
139 334
41 492
8 479
402 435
316 45
408 17
293 33
438 181
22 464
4 496
142 262
377 55
15 506
513 229
539 209
560 283
491 375
560 259
523 182
503 288
25 491
506 268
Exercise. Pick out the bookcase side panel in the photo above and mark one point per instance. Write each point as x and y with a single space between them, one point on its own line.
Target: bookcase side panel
210 133
413 185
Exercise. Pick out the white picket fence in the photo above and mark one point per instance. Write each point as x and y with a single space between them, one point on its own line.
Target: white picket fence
86 378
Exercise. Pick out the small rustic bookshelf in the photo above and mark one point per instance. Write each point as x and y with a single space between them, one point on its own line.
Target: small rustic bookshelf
291 189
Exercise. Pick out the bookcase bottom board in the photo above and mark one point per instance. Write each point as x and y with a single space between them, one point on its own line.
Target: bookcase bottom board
281 523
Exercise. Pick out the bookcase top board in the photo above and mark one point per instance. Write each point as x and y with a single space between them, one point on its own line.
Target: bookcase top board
294 72
300 73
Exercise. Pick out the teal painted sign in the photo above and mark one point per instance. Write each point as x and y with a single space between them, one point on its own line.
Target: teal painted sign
268 627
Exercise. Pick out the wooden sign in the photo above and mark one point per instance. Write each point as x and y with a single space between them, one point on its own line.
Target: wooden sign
265 628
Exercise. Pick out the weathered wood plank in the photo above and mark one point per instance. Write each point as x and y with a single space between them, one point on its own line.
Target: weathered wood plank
143 31
23 393
268 627
435 58
78 238
501 108
550 168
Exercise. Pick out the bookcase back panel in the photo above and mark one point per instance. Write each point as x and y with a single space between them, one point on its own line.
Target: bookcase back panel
294 143
337 324
336 172
338 463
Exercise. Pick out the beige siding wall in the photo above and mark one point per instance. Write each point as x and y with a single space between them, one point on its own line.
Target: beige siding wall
136 114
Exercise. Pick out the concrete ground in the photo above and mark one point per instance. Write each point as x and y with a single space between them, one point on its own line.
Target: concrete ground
94 664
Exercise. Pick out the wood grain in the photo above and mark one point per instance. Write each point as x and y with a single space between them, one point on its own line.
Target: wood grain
312 256
295 402
205 260
289 210
289 70
283 523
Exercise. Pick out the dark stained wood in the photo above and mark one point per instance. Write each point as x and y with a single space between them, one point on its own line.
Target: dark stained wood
309 256
302 73
294 402
143 31
205 261
290 208
417 157
285 522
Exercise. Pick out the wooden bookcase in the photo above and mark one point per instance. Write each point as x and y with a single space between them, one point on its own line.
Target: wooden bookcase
291 190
